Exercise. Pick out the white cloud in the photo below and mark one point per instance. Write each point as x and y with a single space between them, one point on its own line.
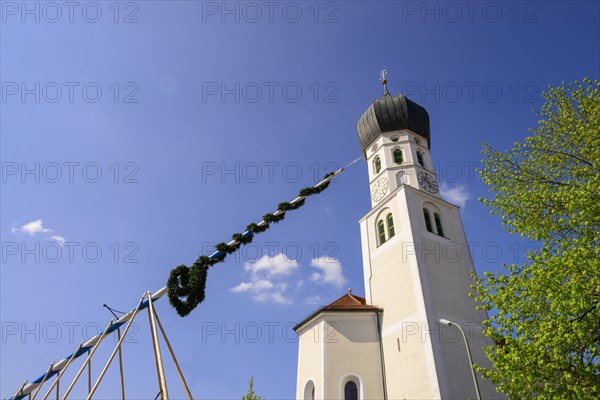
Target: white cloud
31 228
331 271
34 227
278 265
456 195
266 290
313 300
254 286
277 297
59 239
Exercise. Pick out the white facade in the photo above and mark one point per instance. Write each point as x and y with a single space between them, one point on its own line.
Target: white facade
419 276
337 347
417 270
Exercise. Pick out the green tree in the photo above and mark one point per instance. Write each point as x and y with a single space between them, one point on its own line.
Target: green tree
251 395
545 317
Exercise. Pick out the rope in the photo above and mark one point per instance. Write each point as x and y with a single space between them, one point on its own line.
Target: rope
218 255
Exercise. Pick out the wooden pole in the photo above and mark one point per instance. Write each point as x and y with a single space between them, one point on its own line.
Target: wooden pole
20 390
121 366
57 381
162 382
187 389
87 360
89 374
42 382
112 356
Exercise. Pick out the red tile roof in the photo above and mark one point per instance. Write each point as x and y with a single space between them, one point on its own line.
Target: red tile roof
348 302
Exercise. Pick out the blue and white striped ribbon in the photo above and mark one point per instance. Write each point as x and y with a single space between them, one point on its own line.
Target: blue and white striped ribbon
59 365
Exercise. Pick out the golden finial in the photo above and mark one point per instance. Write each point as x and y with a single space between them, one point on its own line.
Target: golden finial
382 78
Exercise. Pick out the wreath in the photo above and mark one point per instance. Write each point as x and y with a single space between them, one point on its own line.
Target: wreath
187 285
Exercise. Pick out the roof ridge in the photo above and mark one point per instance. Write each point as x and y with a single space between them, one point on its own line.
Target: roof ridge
357 298
348 302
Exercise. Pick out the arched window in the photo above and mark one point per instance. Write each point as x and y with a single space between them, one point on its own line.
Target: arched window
309 391
390 225
398 156
427 220
377 164
438 224
420 158
350 391
381 232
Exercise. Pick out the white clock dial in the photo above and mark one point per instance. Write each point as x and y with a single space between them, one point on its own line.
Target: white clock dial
379 189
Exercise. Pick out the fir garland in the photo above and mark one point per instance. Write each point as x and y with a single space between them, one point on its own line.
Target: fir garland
186 285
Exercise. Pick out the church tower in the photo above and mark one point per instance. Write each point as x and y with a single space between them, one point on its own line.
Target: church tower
416 260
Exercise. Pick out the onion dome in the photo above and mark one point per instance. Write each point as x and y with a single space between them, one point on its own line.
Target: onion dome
392 113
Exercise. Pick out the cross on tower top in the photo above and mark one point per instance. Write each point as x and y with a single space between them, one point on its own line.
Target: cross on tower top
383 79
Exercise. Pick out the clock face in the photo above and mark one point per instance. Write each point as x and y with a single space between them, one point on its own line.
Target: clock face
379 189
427 182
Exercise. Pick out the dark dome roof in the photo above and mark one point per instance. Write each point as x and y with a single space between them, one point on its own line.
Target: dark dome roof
392 113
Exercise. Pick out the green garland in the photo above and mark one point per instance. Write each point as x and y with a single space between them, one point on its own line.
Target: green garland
186 285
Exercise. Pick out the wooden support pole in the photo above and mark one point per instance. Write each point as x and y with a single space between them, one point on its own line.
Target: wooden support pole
89 374
162 382
62 372
42 382
185 386
112 356
121 366
20 389
87 360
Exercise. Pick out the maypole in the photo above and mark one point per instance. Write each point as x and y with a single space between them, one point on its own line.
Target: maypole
185 287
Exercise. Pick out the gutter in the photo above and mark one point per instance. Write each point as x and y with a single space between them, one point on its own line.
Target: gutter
384 381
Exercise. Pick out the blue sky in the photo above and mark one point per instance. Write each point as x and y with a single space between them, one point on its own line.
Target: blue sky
164 127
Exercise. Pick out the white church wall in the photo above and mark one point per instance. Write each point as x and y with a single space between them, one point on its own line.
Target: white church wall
395 286
310 359
446 266
353 351
338 346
